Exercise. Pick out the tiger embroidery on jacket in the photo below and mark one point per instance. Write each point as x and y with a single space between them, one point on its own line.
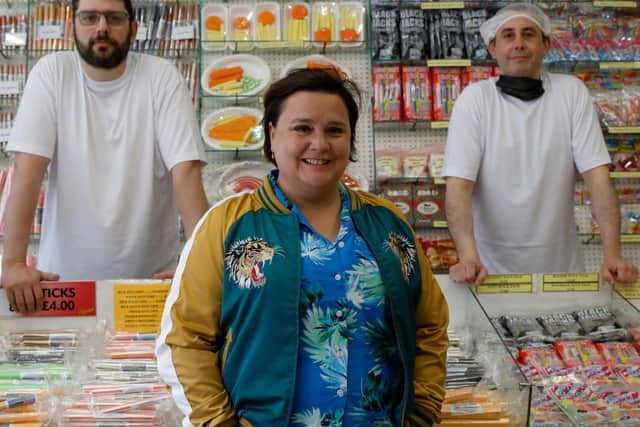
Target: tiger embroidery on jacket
404 250
245 261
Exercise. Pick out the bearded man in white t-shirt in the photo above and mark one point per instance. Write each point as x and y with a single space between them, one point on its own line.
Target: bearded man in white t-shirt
513 147
118 134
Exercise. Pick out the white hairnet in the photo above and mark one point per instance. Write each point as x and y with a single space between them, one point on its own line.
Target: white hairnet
490 27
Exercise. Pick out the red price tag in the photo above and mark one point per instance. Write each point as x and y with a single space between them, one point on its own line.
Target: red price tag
67 299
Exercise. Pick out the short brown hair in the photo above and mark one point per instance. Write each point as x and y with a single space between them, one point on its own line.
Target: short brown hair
309 80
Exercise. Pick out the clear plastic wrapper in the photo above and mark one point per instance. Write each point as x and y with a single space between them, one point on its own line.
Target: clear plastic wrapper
385 34
561 325
413 34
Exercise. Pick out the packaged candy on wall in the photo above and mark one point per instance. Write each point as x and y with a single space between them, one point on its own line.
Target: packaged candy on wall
214 26
472 19
351 18
324 31
266 25
400 194
389 163
446 86
476 73
386 93
413 34
428 204
385 34
449 38
297 18
416 93
240 26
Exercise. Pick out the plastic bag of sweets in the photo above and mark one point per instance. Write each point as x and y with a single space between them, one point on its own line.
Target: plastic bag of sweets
385 33
451 34
561 325
428 204
600 324
525 328
416 93
413 34
400 194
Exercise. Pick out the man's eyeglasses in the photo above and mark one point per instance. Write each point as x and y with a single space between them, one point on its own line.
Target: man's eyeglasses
92 17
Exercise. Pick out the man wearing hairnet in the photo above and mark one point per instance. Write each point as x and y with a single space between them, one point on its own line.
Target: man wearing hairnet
513 147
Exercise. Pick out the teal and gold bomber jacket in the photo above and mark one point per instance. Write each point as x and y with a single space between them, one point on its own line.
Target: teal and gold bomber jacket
228 344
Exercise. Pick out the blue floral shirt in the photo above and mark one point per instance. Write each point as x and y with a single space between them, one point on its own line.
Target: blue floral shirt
348 372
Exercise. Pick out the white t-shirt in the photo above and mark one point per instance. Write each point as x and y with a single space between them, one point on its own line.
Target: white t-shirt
109 210
522 156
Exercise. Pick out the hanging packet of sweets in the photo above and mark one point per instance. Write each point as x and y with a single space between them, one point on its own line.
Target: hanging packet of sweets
385 34
416 93
476 73
386 93
451 34
428 204
473 44
446 85
400 194
413 34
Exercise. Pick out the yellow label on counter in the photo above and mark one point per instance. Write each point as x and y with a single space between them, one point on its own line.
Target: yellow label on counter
440 224
430 5
448 63
506 284
137 307
439 181
630 238
571 282
628 291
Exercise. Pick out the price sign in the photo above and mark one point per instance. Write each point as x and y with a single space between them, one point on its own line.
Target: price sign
506 284
588 282
138 307
63 299
629 291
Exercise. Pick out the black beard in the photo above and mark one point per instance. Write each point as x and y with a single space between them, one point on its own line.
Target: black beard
118 55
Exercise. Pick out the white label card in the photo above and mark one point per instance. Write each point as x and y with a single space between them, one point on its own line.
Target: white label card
183 32
9 87
47 31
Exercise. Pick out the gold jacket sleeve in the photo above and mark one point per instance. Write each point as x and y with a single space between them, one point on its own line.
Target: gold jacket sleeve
190 339
432 320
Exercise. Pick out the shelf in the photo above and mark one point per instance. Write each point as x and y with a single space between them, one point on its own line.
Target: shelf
624 175
448 62
410 124
442 5
619 65
615 3
624 238
463 62
413 180
624 130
